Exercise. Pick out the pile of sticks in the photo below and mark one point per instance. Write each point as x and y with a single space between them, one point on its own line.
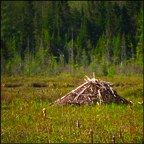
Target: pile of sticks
93 91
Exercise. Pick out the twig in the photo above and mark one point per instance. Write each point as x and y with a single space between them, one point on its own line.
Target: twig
93 75
5 108
69 93
93 90
91 135
113 138
120 134
88 78
44 112
78 125
99 96
89 99
81 93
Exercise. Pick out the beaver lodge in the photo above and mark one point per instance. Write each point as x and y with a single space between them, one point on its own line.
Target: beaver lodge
93 91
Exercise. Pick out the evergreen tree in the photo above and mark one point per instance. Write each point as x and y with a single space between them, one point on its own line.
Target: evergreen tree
123 50
117 13
65 18
101 16
75 21
124 21
27 27
84 61
140 47
47 28
82 37
39 35
133 8
93 27
109 19
6 29
37 22
116 43
100 50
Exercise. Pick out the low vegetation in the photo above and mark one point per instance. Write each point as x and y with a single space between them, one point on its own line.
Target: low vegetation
22 120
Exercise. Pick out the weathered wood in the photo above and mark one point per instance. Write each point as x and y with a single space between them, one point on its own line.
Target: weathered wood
93 91
80 93
74 103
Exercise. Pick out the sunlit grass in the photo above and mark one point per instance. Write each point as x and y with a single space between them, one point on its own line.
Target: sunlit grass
24 122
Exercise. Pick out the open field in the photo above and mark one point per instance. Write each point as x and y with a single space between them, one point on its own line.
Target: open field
23 100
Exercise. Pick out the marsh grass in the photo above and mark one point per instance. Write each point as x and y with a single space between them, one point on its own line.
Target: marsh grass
24 123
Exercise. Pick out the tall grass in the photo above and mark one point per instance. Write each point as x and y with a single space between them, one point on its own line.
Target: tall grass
24 122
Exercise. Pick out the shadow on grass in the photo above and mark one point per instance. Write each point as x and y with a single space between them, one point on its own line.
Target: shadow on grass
13 85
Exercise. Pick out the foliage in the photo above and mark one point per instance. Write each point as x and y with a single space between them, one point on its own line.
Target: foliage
104 69
139 48
111 71
73 32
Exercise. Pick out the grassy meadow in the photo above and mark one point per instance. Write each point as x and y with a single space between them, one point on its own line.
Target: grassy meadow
23 121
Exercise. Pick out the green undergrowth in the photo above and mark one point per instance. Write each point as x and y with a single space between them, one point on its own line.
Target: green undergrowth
24 123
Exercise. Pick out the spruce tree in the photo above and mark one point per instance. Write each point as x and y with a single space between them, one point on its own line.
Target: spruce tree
124 21
116 12
6 29
140 47
116 44
27 27
123 50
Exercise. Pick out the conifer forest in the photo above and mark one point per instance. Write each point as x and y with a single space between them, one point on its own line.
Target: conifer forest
72 72
54 37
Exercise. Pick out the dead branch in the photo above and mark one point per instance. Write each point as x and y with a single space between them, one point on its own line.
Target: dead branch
93 91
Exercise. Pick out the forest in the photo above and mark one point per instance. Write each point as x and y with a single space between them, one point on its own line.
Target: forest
45 38
47 47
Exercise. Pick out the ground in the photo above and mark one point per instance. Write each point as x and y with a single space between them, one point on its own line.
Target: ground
26 97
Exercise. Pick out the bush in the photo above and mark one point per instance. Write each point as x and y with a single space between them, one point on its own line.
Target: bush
80 74
96 67
104 69
111 71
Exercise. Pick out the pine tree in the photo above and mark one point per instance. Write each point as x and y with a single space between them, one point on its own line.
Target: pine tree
123 50
116 43
140 48
124 21
37 20
109 30
27 27
100 50
117 13
75 23
93 28
84 61
133 7
82 37
101 16
65 18
6 29
109 19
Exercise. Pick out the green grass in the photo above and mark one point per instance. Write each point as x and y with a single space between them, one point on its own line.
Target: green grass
23 123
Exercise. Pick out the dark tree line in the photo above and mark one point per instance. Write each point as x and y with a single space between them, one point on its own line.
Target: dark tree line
43 33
